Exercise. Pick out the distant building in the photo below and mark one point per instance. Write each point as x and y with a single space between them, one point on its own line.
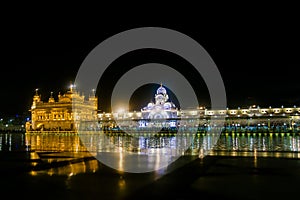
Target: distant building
160 109
240 117
59 115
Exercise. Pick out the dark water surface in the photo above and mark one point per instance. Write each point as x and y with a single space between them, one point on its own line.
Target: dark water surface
51 166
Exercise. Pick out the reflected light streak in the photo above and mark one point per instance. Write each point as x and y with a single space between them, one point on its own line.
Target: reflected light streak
121 157
121 183
201 153
33 173
255 158
157 161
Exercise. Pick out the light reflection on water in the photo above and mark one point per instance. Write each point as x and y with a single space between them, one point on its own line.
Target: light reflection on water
145 143
277 143
55 148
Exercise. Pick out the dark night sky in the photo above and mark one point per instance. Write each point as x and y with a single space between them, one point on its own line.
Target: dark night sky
258 58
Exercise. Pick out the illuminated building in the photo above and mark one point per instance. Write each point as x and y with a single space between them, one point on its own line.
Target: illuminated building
59 115
160 109
251 118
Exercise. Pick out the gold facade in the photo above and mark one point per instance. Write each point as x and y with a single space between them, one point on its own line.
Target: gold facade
59 115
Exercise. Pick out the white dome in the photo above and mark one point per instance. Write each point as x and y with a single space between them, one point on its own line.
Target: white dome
161 90
167 105
150 105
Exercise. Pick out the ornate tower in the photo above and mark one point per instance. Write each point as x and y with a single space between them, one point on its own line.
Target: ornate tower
161 95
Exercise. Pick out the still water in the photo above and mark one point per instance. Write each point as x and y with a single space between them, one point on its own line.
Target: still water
68 155
62 166
87 142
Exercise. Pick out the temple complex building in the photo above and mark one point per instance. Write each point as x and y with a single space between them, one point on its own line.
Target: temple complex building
58 115
160 109
253 117
61 115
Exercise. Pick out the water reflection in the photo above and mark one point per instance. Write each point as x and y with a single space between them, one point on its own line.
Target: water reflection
144 151
185 144
265 143
54 142
12 141
73 169
118 150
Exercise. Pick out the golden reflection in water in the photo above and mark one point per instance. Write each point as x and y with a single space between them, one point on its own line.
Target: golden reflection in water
121 167
256 154
71 169
121 183
97 142
78 168
201 153
255 158
64 148
34 156
33 173
54 142
33 164
50 172
255 146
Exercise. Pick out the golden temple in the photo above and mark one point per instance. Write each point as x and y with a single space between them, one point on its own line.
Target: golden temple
58 115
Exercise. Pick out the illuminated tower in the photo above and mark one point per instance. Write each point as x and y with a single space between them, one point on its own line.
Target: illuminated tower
160 109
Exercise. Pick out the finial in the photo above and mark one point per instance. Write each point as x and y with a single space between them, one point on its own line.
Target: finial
51 94
160 84
71 87
36 91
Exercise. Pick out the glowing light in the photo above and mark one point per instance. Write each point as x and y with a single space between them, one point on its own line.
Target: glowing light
121 183
72 86
120 110
33 173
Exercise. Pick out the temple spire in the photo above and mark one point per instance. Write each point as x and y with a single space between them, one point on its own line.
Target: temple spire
93 92
51 99
72 87
37 97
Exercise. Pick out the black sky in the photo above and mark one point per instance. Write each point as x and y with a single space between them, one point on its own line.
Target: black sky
258 58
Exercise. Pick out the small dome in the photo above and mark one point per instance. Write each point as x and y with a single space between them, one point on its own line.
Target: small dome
65 99
161 90
150 105
167 105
